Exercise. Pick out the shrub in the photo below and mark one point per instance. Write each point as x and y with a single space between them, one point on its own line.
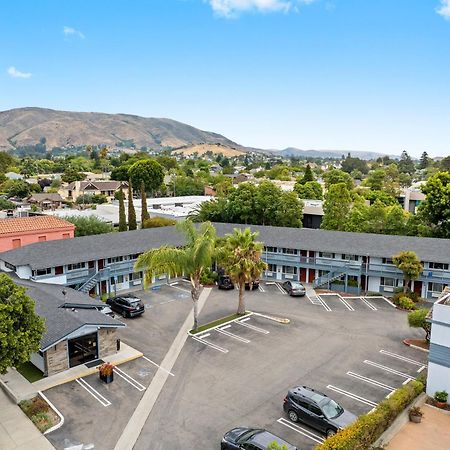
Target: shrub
441 396
369 427
418 319
408 294
209 277
405 303
155 222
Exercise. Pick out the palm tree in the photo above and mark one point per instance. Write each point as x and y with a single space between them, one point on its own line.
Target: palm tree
190 260
241 259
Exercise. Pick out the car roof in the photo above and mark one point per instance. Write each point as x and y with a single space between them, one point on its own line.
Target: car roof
264 438
310 393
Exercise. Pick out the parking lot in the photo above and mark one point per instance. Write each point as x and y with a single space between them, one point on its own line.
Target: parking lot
238 374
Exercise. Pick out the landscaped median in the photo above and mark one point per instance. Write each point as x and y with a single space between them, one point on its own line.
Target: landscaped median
219 322
40 413
368 428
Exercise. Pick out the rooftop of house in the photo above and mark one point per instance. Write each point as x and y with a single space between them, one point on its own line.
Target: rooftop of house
65 310
45 196
35 223
97 185
86 248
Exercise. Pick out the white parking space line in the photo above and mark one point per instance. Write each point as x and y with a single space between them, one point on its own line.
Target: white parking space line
352 396
327 308
387 369
407 381
280 288
371 381
231 335
343 301
383 298
129 379
173 285
244 323
210 344
261 289
422 368
158 366
301 430
87 387
367 303
402 358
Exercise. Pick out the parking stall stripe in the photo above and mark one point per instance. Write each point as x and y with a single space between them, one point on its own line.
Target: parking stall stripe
252 327
422 368
234 336
99 397
349 307
387 369
403 358
371 381
351 395
158 366
303 431
280 289
261 289
210 344
129 379
327 308
383 298
372 307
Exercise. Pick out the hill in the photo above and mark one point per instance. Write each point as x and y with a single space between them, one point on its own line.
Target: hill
216 149
292 151
27 126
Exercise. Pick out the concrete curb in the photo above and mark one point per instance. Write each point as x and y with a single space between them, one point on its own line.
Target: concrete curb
399 422
61 417
9 392
443 411
221 325
415 346
275 319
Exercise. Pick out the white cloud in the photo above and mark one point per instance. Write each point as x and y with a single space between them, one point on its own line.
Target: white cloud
230 8
69 31
13 72
444 9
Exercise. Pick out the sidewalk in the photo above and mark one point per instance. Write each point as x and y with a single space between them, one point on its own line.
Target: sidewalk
433 433
22 389
137 421
17 432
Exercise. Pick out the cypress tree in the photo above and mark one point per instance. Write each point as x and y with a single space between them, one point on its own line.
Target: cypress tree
131 212
308 176
144 211
122 216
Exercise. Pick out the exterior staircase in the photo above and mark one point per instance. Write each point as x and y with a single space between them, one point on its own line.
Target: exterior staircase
92 281
329 277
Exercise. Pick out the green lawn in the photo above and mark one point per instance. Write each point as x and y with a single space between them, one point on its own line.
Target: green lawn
217 322
30 372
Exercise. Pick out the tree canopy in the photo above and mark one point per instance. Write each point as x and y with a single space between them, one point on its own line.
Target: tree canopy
147 171
86 226
410 265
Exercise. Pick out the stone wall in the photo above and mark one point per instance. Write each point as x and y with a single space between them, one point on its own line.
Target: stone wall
107 342
56 359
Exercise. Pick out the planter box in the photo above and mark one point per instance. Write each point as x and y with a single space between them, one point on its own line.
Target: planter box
107 378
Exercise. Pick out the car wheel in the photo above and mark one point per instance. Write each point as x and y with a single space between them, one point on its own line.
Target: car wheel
124 314
293 416
330 433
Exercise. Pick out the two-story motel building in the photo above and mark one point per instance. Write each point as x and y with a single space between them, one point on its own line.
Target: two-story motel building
352 262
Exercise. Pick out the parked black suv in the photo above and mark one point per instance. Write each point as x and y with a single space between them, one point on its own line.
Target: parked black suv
251 439
225 282
317 410
127 306
252 285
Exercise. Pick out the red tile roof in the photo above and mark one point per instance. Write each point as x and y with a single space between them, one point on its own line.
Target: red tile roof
24 224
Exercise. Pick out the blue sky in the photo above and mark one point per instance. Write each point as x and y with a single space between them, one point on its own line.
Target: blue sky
323 74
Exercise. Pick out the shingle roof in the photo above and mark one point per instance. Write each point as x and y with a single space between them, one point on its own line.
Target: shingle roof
51 196
99 185
35 223
69 251
60 321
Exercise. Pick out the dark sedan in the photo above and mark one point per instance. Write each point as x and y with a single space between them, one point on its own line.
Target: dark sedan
127 306
251 438
294 288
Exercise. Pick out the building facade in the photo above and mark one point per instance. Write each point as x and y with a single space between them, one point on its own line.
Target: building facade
106 188
20 231
351 262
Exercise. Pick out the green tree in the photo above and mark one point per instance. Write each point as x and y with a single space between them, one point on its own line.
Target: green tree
6 160
311 190
121 173
336 176
86 226
122 215
289 211
21 328
435 210
157 222
187 186
336 207
6 204
445 164
375 179
358 216
144 209
396 220
241 259
16 188
242 207
424 161
410 265
376 218
418 319
71 175
406 164
350 164
131 211
147 172
307 176
191 260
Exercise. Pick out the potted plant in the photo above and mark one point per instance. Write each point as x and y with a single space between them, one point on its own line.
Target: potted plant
106 372
415 414
440 398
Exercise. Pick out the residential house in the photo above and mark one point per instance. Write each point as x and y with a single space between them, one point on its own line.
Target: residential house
46 200
107 188
20 231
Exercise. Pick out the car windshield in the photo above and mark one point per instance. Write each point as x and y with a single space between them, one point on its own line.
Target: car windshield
297 285
135 303
332 410
247 435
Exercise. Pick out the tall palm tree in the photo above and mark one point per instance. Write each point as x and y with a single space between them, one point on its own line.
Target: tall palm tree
190 260
241 259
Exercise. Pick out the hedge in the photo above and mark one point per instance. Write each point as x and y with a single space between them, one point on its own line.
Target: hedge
369 427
